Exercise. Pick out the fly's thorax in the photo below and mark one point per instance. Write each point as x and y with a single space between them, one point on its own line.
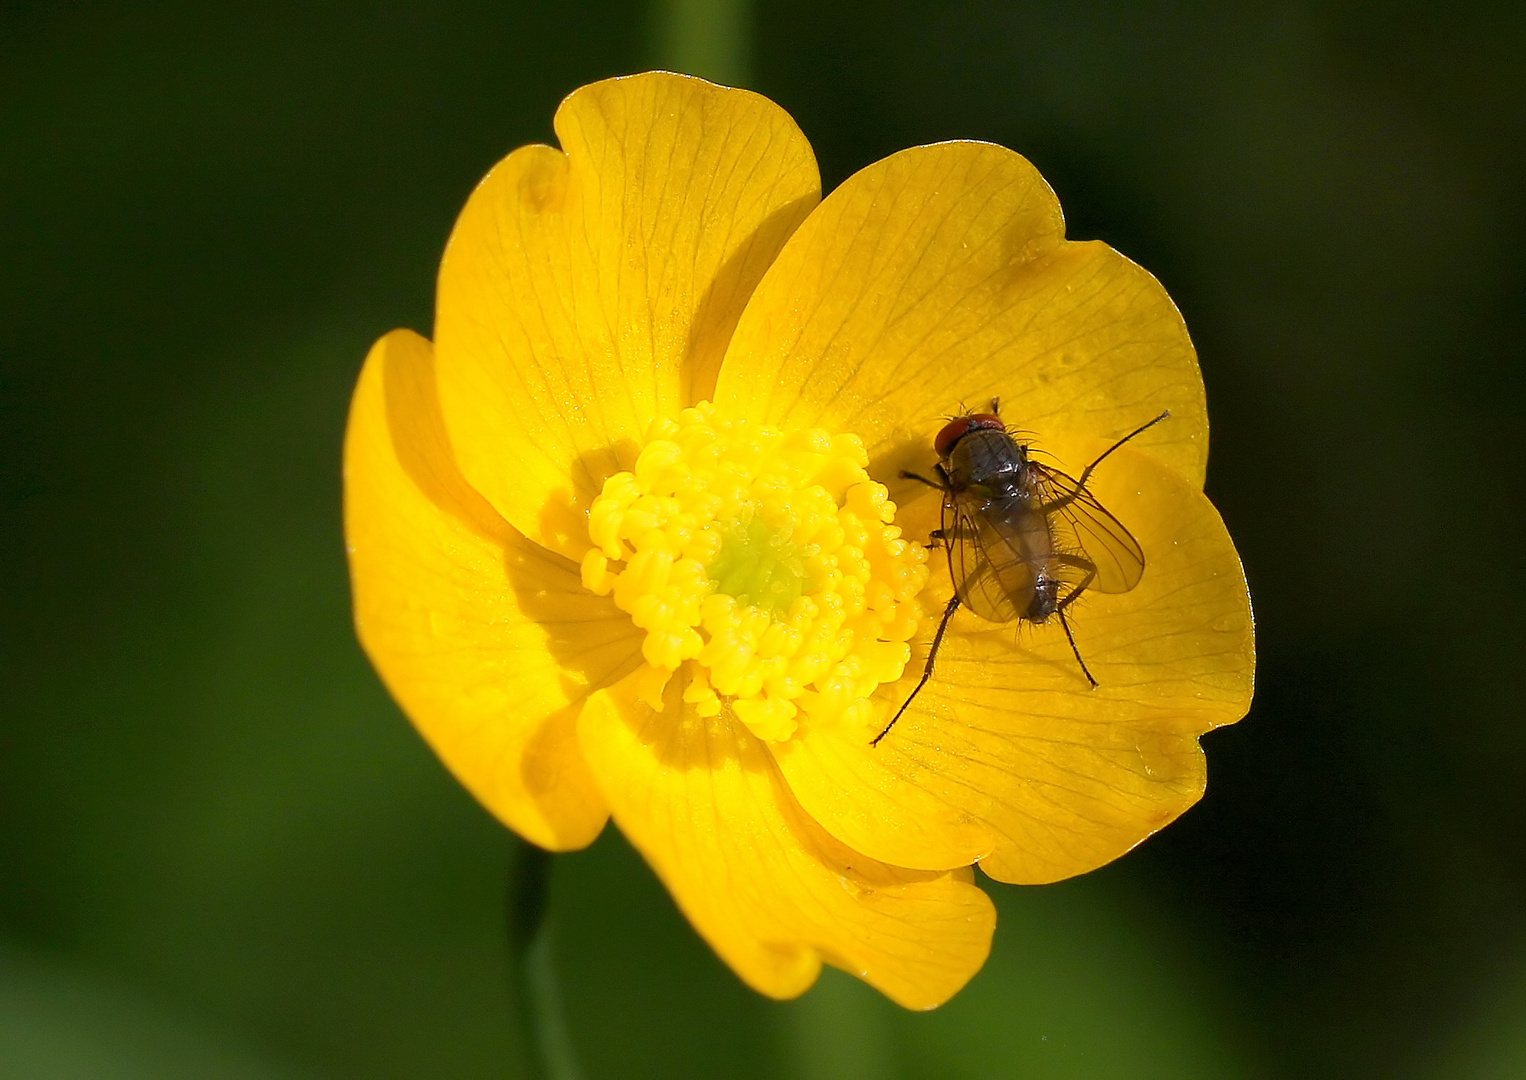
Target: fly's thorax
990 460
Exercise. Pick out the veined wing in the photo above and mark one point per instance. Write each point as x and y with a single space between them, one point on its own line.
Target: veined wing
1081 525
990 575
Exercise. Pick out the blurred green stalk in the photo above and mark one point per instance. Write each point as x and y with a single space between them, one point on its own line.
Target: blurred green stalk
708 38
543 1024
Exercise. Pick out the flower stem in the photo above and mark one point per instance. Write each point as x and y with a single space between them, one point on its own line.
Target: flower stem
543 1025
708 38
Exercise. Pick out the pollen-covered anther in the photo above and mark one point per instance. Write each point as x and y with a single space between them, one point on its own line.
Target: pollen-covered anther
765 566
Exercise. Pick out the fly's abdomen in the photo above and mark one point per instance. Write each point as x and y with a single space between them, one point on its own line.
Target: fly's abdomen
1015 548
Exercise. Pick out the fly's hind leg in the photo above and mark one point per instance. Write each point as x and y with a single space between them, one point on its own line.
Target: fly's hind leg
927 671
1071 637
1081 563
1090 569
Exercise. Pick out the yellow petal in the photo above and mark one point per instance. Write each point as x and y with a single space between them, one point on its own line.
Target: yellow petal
584 293
488 642
940 278
1007 754
771 891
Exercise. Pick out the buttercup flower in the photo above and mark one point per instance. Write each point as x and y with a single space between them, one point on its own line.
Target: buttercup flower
629 538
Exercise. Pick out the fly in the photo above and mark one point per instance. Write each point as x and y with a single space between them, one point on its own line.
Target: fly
1024 540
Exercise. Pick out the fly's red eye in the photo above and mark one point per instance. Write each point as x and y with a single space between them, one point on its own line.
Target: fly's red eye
955 430
951 433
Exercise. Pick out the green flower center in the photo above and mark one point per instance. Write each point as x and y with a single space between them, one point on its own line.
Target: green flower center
765 565
758 567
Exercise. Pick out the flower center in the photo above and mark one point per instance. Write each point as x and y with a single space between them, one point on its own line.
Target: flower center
765 564
759 567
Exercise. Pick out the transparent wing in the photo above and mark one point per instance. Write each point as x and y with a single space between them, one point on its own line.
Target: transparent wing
992 580
1082 526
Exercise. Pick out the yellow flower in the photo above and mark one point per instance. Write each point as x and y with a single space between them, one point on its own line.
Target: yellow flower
628 538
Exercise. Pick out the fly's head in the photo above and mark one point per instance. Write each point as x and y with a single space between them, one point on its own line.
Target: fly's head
961 426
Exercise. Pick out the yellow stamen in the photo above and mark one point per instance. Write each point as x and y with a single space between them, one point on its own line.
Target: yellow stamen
765 564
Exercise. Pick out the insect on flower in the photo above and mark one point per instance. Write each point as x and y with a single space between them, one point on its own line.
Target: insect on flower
1024 540
619 550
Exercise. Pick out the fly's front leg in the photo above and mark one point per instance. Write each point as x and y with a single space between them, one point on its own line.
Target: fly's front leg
942 483
919 478
935 538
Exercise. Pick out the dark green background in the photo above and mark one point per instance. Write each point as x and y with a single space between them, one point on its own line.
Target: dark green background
225 854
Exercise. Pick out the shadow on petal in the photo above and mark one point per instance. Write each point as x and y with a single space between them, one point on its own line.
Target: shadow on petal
724 300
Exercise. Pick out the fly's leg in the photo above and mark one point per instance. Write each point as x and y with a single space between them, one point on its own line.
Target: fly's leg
1069 497
1140 430
1091 572
1081 563
937 536
927 672
1069 636
942 483
996 406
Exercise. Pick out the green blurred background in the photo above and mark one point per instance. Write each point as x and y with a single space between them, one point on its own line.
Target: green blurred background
223 853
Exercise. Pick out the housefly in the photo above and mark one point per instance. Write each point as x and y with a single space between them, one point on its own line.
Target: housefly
1024 540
